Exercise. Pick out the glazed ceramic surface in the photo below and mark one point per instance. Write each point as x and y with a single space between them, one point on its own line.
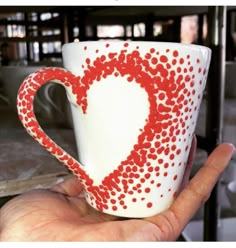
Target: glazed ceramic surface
231 193
134 107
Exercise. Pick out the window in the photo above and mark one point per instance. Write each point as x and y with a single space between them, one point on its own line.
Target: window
110 31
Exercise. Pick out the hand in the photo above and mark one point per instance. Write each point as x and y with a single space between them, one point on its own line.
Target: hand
61 213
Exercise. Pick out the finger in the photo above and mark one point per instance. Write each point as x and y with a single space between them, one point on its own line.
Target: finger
189 164
70 187
174 220
199 188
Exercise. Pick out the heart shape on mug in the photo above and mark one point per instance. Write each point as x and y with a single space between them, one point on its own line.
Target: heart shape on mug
168 80
107 132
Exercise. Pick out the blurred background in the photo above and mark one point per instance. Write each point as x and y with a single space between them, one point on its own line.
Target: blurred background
31 37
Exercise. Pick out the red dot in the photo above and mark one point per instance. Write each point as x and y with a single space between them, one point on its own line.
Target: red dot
147 190
163 59
122 196
178 151
187 78
160 161
150 169
166 151
175 53
174 61
164 133
148 56
152 150
154 61
161 96
105 206
181 61
114 208
87 60
172 156
152 50
147 175
166 165
173 147
131 181
149 205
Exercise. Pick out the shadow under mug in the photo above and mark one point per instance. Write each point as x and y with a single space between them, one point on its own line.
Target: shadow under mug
134 108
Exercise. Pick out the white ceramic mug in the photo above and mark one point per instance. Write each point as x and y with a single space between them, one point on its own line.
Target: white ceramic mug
231 193
134 107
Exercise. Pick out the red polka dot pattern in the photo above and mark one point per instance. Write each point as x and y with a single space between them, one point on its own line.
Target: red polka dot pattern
169 78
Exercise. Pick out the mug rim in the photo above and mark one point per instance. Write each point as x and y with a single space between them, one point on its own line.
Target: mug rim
177 44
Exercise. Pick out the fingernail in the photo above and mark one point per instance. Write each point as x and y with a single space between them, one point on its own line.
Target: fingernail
232 146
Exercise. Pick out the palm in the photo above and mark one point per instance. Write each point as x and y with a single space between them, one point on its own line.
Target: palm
65 218
61 214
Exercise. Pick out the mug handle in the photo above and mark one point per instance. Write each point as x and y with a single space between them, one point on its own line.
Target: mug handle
25 98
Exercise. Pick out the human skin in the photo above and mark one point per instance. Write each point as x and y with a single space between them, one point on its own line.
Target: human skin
62 214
